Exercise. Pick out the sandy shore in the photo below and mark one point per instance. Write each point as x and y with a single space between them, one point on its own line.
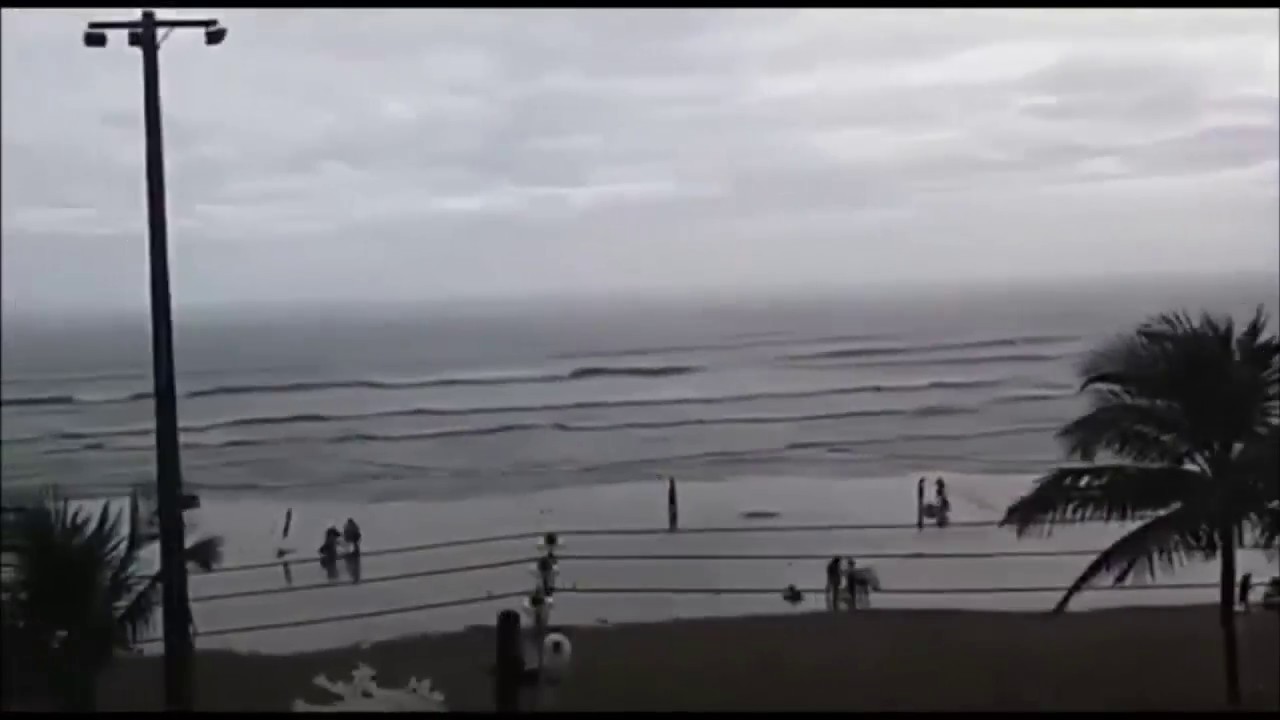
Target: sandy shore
227 601
1121 659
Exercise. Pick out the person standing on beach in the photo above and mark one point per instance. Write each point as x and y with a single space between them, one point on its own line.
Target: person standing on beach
329 553
943 504
920 504
833 582
673 509
351 535
851 580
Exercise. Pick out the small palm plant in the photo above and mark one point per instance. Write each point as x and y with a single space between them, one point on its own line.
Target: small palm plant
1186 412
75 595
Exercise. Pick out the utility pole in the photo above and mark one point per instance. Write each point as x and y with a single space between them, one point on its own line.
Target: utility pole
178 648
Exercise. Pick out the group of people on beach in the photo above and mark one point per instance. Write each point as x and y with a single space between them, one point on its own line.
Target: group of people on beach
939 510
329 550
844 574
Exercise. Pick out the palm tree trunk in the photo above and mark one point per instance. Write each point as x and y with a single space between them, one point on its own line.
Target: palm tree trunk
1227 613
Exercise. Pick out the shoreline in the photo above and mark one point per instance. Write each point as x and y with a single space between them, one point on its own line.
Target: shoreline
709 574
1109 659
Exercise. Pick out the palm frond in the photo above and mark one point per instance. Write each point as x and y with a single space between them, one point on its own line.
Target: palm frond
1145 432
1266 529
136 615
1166 541
205 553
1103 492
1196 379
78 573
1255 489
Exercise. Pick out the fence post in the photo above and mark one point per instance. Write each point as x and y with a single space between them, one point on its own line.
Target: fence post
509 665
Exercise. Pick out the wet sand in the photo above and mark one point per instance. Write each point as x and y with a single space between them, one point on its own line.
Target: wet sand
1119 659
692 561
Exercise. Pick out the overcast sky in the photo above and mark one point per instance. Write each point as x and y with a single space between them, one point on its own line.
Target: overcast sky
426 154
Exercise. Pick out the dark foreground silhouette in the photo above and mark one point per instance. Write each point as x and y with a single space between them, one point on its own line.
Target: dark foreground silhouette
1132 659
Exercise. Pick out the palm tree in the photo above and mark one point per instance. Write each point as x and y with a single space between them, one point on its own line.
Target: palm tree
1185 413
76 595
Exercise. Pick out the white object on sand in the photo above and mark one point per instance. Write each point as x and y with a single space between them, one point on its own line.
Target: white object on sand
362 694
557 652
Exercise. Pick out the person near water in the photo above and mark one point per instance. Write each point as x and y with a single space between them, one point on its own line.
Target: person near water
943 503
546 567
920 504
673 508
851 580
329 548
1246 587
833 581
352 562
329 552
351 535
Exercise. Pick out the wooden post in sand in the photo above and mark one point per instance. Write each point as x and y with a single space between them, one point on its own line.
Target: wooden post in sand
509 665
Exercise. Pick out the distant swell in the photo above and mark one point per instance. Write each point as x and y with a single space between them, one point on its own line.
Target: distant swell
746 341
1032 429
1013 358
37 401
857 352
581 373
504 428
319 418
70 400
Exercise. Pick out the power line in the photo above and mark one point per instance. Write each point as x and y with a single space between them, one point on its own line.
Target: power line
364 581
635 532
827 556
731 529
423 547
246 629
458 569
904 591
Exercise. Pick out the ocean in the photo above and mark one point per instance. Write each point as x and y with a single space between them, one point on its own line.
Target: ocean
432 403
781 417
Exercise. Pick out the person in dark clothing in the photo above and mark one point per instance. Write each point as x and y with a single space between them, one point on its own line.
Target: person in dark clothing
920 504
943 503
329 548
673 508
851 580
352 562
833 582
351 535
1246 587
329 553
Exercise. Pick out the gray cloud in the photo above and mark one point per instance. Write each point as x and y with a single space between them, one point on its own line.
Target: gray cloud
346 155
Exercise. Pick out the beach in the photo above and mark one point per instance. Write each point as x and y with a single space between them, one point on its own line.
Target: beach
620 565
1120 659
796 432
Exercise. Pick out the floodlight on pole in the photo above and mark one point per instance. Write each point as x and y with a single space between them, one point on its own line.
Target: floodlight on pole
176 606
